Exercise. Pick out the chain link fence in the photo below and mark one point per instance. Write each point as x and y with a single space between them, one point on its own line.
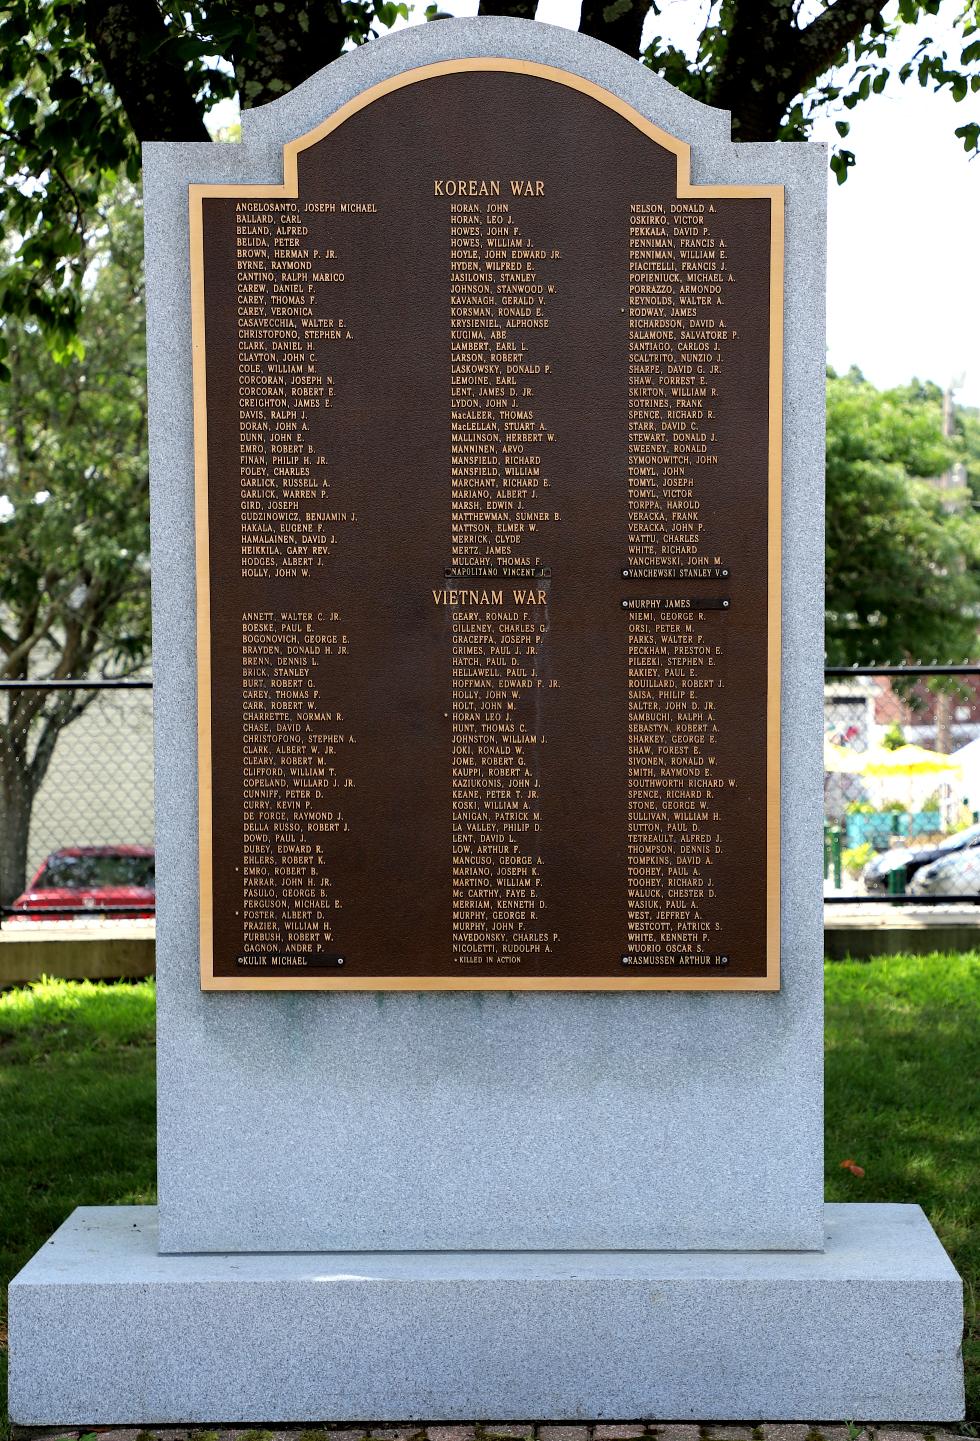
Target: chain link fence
902 785
76 800
901 792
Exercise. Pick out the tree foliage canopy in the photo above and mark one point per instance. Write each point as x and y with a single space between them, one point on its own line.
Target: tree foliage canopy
74 505
74 519
84 82
903 569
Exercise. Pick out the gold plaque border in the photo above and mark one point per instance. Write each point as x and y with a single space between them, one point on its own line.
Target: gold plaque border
685 190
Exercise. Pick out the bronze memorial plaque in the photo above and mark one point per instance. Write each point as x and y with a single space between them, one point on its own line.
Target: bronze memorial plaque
488 439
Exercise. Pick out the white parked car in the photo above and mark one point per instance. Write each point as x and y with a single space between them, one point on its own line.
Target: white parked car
957 874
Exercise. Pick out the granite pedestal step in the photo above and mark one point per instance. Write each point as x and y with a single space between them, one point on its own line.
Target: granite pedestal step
104 1331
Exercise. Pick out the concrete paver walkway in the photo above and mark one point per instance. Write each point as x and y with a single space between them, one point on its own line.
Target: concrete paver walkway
519 1431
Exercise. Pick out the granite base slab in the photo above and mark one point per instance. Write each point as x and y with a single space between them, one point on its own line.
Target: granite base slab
105 1331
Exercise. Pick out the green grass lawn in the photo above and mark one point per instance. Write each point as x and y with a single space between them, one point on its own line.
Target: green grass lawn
903 1102
77 1112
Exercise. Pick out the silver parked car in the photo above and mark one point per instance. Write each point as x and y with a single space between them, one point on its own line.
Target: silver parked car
956 874
911 860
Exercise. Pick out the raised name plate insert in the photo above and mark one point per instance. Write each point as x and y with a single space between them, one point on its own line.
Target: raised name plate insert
487 431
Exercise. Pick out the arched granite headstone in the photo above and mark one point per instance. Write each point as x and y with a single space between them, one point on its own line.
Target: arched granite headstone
576 1195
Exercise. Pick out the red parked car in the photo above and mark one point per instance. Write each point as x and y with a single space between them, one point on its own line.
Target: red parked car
106 880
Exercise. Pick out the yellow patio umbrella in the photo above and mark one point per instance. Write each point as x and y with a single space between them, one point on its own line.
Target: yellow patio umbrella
841 761
907 761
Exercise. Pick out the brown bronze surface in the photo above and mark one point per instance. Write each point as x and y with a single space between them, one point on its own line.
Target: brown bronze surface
486 469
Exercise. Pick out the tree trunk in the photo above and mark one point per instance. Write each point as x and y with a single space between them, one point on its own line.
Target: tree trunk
760 47
150 80
618 25
27 743
769 60
16 803
519 9
280 46
944 722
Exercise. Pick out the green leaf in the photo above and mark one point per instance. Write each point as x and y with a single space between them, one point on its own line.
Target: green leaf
840 163
970 135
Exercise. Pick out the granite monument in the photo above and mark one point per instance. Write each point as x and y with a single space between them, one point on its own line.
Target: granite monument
486 409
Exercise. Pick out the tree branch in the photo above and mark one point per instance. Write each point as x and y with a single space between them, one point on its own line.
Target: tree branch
26 643
828 34
130 38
